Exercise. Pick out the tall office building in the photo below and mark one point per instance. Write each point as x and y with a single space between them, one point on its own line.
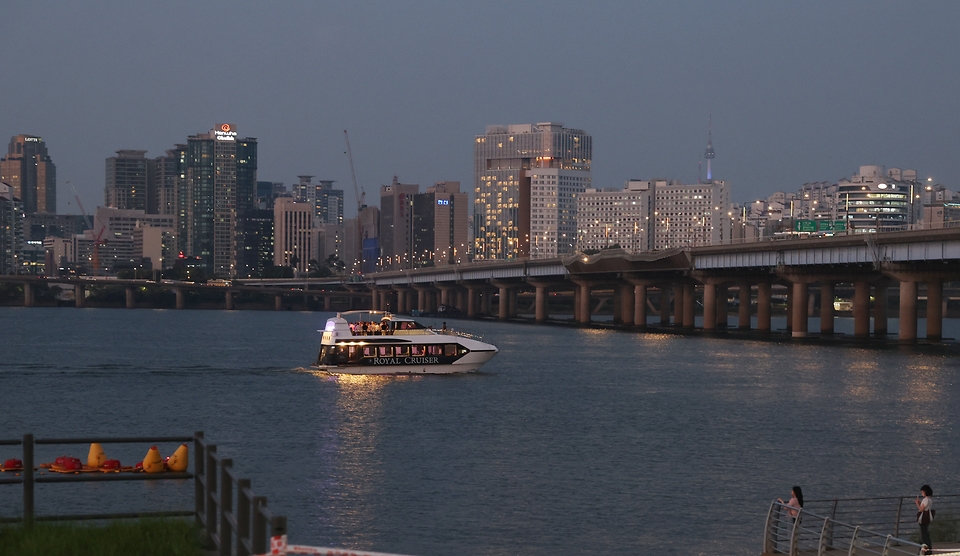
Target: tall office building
688 215
327 201
294 234
11 230
218 190
526 182
609 218
28 169
258 254
165 176
451 225
396 224
874 200
126 181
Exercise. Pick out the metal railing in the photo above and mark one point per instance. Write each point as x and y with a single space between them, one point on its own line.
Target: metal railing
227 526
810 533
234 520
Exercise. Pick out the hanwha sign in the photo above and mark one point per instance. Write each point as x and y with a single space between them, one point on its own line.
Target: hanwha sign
225 132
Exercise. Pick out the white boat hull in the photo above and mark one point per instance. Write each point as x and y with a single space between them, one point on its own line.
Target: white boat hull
379 343
469 363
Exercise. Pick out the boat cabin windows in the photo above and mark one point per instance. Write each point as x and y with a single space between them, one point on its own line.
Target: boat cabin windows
346 354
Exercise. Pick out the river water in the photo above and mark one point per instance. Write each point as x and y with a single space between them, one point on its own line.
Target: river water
571 441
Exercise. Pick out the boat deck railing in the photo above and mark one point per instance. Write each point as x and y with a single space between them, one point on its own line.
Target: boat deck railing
882 526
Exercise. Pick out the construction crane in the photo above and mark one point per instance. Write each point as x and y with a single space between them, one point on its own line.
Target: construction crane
361 196
98 241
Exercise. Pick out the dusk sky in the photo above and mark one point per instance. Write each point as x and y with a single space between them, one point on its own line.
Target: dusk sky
799 92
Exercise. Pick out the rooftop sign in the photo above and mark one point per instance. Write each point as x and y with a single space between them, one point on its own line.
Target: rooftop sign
225 132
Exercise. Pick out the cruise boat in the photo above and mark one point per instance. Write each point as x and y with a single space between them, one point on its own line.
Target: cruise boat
381 343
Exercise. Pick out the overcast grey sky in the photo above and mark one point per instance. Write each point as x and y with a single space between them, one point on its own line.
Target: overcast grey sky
799 91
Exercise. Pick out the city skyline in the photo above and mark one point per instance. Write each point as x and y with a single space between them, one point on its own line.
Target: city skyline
797 93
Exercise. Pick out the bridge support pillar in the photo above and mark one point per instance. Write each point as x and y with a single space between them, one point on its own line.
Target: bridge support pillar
640 305
461 300
278 302
472 294
503 308
514 292
709 307
228 301
541 304
861 309
617 301
28 299
486 301
327 303
678 305
129 298
401 301
421 299
800 295
764 297
789 309
375 299
445 296
180 300
908 311
664 305
880 299
689 305
934 309
584 302
826 307
723 294
627 304
743 308
79 296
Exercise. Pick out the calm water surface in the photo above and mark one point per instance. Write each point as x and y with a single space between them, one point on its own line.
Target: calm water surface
570 442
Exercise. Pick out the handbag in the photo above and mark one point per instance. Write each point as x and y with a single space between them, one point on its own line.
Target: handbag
924 517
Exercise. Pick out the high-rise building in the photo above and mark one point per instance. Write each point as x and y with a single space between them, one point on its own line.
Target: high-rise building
166 175
28 169
126 181
526 182
688 215
294 234
11 230
613 218
396 224
327 201
258 254
873 200
451 225
218 189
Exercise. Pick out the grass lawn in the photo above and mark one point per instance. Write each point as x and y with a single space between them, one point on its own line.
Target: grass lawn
171 537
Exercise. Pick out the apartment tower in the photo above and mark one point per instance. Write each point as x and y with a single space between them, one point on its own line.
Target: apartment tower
526 181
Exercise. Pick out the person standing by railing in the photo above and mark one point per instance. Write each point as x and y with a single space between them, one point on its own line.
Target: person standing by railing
925 513
793 507
795 503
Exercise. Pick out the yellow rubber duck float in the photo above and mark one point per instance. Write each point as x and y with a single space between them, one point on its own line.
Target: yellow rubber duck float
96 457
180 460
153 463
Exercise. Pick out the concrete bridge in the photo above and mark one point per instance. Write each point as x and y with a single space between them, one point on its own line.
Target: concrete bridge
681 279
326 290
673 284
